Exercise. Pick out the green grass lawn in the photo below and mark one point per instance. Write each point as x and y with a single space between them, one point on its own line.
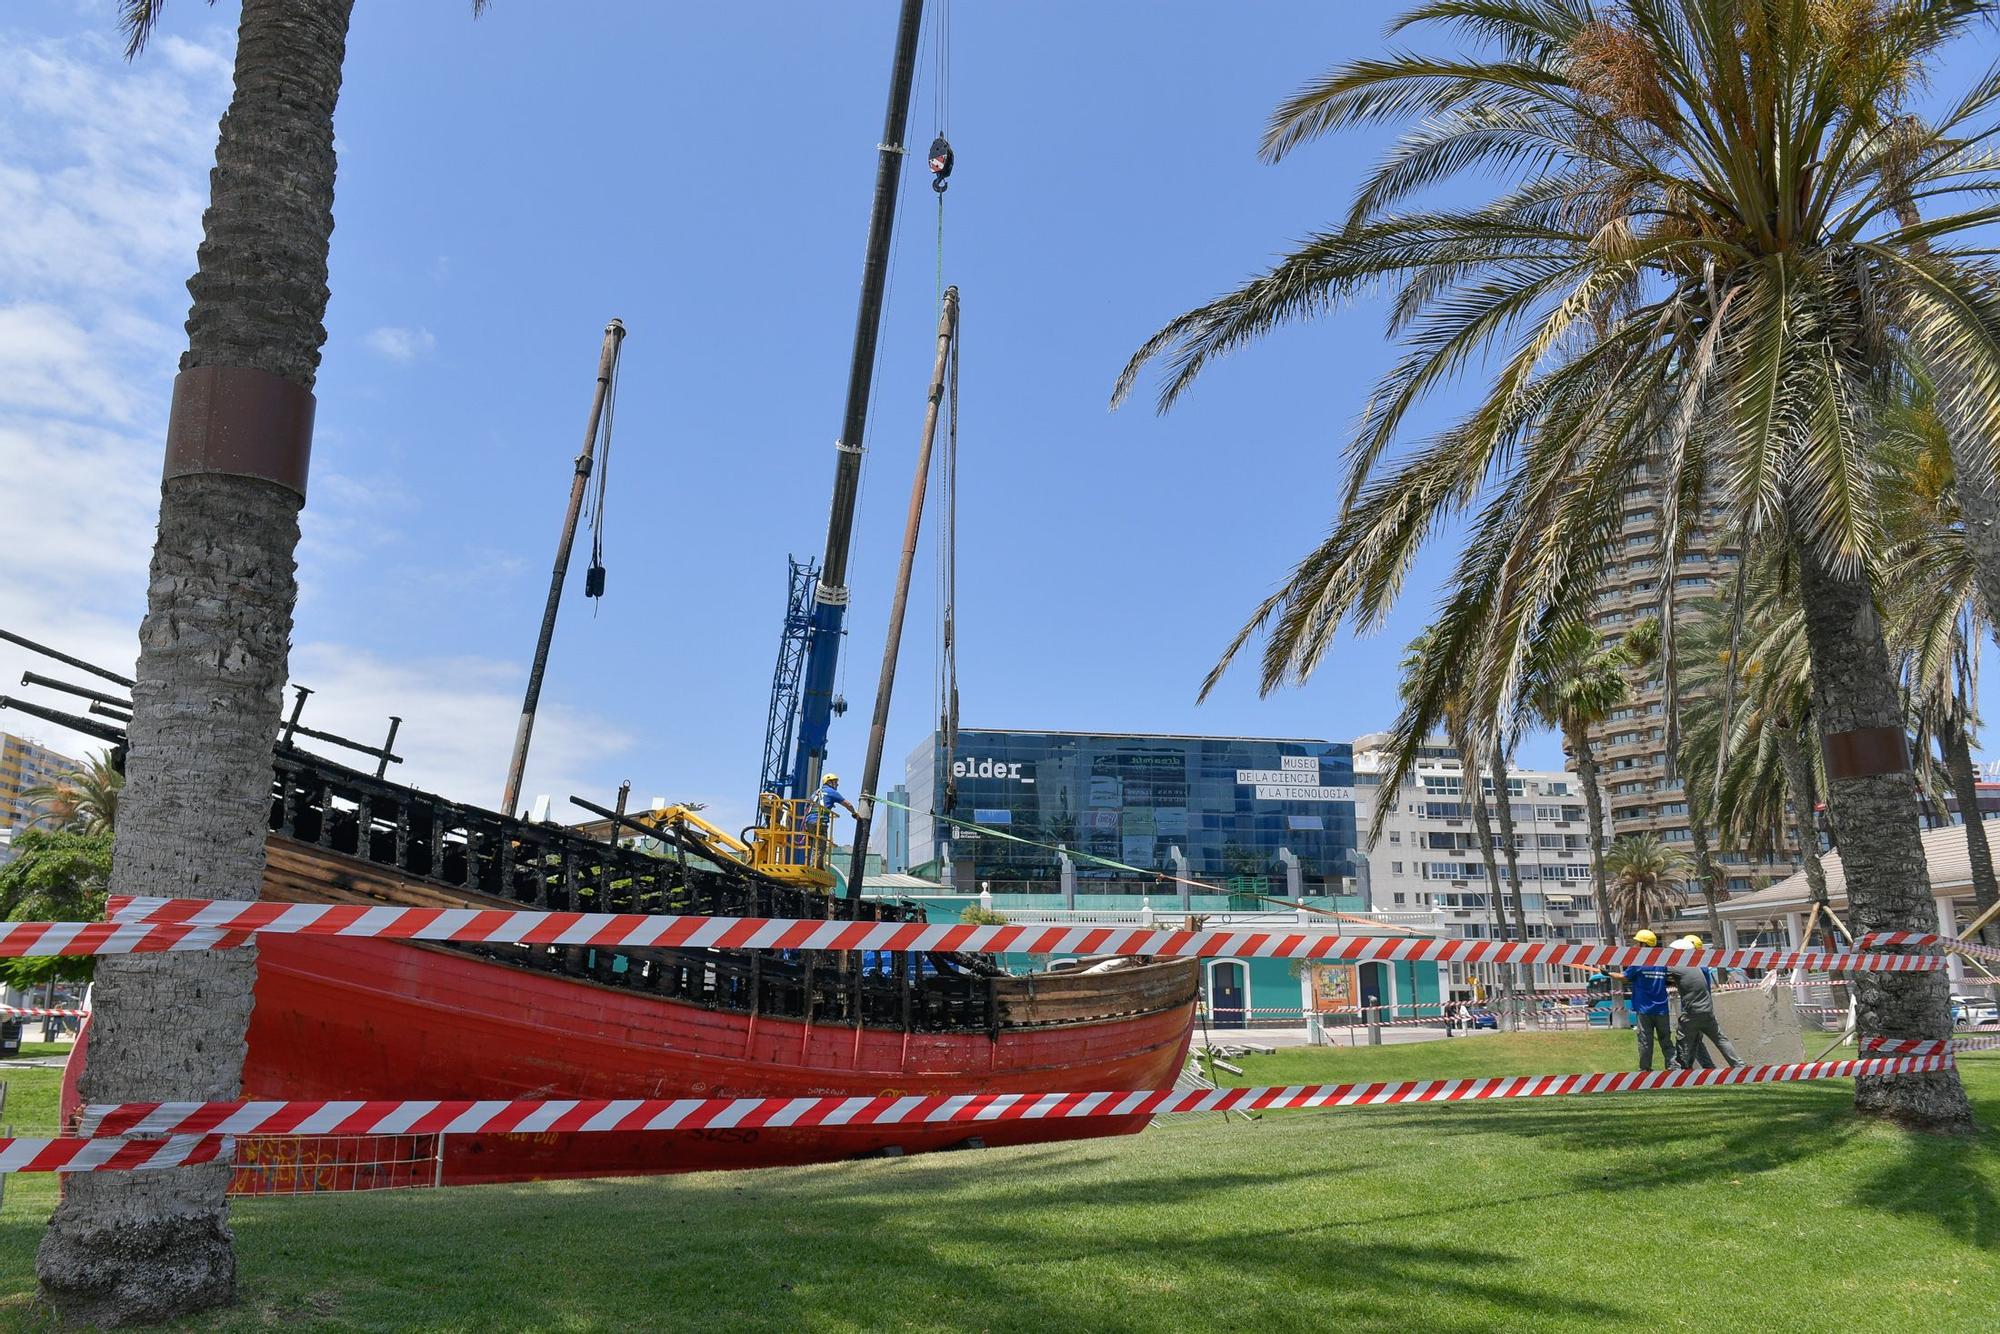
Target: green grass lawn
1762 1206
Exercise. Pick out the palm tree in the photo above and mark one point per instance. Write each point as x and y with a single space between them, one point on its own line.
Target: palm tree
1458 728
1649 648
1932 575
84 800
1692 263
1576 684
129 1247
1648 878
55 803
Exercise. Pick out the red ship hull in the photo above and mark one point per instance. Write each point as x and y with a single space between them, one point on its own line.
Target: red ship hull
378 1019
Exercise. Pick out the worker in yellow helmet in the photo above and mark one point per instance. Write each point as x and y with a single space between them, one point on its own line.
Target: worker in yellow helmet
1646 993
819 815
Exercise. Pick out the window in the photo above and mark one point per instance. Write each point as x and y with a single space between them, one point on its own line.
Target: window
1395 837
1397 899
1472 931
1445 785
1676 835
1549 813
1396 868
1549 842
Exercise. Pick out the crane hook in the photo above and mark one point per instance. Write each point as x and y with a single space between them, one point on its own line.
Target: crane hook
941 160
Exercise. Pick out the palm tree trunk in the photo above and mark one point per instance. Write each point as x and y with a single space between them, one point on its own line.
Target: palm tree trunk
148 1246
1704 865
1593 800
1523 975
1956 747
1473 782
1871 796
1798 778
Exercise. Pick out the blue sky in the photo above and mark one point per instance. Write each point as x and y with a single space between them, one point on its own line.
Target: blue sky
703 172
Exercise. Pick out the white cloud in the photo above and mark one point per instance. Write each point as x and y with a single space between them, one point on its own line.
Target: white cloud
103 177
399 344
194 59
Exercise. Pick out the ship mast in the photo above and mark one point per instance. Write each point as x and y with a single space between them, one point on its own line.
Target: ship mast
607 366
871 774
830 597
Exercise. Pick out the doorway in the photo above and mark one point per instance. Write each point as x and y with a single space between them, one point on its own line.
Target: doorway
1228 995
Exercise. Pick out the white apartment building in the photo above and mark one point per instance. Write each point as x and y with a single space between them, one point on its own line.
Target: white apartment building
1428 855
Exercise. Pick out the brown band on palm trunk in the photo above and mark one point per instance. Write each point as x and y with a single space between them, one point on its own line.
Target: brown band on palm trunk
1867 751
241 423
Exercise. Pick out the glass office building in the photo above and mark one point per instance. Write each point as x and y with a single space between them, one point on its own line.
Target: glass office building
1255 814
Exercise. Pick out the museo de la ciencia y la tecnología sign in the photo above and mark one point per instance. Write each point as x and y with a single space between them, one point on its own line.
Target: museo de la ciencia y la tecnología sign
1297 779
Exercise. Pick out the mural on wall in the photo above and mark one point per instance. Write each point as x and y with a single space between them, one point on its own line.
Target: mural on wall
1335 986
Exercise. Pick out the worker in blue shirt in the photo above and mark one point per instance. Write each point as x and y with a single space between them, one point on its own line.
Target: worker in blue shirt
819 815
1647 983
827 798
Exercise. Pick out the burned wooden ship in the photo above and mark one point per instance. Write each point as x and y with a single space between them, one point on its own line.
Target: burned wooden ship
384 1019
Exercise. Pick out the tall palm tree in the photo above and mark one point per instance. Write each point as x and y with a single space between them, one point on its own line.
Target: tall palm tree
1575 684
1940 621
1690 262
1458 725
1648 878
1649 647
128 1247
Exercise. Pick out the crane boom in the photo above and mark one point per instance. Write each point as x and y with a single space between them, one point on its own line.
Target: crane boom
829 614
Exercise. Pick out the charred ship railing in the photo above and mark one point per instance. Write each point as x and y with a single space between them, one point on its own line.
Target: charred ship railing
421 837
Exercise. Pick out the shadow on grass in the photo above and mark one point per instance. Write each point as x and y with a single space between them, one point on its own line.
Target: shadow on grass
1041 1240
1635 1143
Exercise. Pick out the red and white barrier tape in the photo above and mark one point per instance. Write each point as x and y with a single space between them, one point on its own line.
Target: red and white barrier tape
110 1155
1926 1046
425 1117
203 1131
1877 939
25 1012
1905 1046
198 924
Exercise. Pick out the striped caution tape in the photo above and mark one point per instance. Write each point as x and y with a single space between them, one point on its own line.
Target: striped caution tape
1927 1046
440 1117
198 924
1905 1046
1879 939
29 1012
111 1155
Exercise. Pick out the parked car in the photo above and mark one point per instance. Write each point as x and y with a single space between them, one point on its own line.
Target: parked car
1485 1018
1974 1011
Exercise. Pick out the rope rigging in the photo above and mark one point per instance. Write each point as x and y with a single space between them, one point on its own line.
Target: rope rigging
941 160
593 578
